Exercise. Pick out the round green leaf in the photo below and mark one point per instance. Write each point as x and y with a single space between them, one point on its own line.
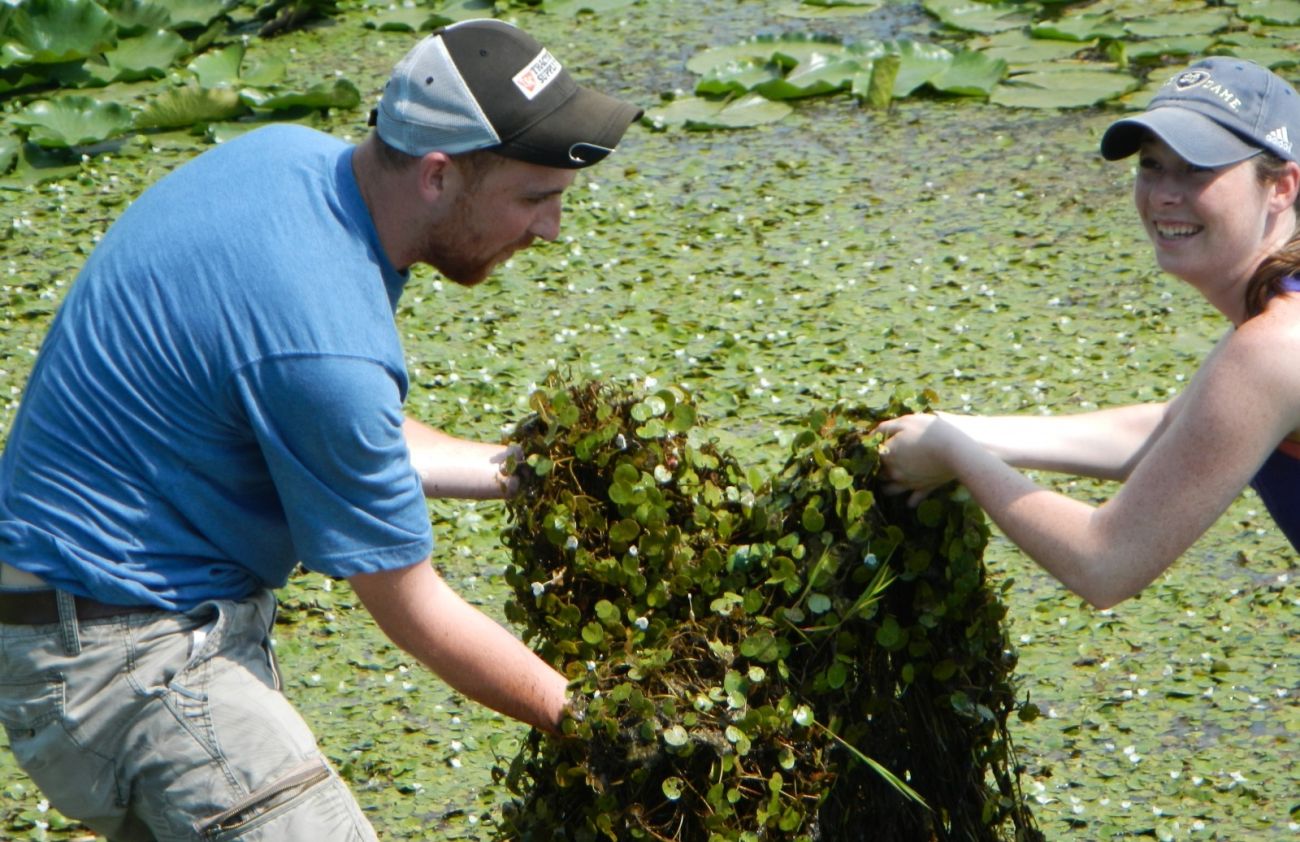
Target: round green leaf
72 121
980 17
1064 89
813 520
51 31
918 64
339 93
737 78
970 74
693 112
218 68
134 17
179 107
676 736
145 56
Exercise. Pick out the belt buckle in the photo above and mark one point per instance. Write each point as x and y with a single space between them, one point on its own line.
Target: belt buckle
13 579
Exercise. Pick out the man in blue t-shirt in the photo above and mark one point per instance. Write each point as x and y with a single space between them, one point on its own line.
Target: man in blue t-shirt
220 399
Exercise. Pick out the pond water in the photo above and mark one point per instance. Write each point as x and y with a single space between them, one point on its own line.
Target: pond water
986 253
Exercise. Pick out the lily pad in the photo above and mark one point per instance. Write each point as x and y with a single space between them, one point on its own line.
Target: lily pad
919 63
574 7
467 9
970 74
72 121
1286 12
407 19
987 18
262 74
339 93
188 14
737 78
1156 50
702 114
818 74
1167 24
1018 47
145 56
1269 51
815 12
789 50
51 31
1081 27
190 105
217 68
1064 89
135 17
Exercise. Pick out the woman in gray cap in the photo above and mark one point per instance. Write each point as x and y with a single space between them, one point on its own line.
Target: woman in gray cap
1216 192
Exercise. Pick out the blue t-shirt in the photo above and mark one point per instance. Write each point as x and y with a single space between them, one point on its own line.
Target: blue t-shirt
220 395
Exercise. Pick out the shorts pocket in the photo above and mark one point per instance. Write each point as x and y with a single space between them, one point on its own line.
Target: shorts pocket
266 804
74 780
26 708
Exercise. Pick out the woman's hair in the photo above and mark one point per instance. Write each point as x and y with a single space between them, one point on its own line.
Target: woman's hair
1268 277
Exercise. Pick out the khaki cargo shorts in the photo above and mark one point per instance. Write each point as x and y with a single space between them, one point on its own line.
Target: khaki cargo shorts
166 727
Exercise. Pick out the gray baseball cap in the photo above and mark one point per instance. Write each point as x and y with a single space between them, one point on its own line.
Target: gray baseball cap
485 84
1216 112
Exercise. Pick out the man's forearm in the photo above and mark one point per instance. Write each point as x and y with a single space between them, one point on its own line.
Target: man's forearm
455 467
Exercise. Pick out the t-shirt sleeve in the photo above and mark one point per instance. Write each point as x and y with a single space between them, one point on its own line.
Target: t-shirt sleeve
330 429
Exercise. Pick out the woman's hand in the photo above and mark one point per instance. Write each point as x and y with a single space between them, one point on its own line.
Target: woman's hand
915 454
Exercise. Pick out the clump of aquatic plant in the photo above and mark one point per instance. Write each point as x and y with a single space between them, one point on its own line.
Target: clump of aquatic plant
785 658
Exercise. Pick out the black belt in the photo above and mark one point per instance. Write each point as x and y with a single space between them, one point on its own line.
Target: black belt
41 608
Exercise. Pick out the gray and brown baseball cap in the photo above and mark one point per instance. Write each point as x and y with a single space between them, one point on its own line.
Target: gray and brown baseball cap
484 84
1217 112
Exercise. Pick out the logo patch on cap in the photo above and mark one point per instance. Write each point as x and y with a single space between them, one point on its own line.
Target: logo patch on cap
539 73
1191 79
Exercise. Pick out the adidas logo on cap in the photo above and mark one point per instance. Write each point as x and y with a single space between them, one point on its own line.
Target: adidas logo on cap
1279 137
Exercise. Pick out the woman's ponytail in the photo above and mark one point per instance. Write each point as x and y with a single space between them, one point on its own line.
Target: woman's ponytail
1269 275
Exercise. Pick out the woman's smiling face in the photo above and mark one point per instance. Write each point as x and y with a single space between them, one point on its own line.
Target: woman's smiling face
1210 227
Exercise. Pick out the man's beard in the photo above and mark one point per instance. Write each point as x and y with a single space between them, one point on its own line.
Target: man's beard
458 252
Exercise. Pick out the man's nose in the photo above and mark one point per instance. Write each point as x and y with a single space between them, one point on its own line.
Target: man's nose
547 224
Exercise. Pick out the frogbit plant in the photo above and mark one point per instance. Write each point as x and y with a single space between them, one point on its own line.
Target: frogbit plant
796 657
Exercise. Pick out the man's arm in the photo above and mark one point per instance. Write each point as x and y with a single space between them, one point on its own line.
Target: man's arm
419 612
452 467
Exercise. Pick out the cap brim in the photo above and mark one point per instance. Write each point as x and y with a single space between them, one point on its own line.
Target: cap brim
1196 138
579 133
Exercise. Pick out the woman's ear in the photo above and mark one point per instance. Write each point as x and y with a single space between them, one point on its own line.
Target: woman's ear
1287 187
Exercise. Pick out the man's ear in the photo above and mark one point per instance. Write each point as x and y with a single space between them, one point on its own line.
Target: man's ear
433 170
